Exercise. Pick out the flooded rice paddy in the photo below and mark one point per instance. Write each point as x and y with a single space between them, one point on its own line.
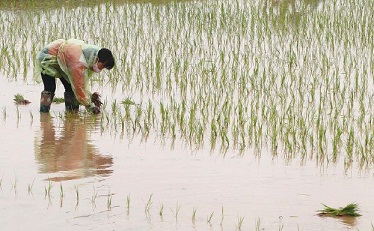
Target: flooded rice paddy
219 115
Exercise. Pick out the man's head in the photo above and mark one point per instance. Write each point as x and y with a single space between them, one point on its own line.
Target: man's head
105 59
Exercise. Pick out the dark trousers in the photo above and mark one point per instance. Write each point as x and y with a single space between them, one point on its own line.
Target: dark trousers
50 84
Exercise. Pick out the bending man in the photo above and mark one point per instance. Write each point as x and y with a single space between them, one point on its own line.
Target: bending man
73 62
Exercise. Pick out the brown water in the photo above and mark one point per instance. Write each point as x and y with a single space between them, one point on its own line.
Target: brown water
41 153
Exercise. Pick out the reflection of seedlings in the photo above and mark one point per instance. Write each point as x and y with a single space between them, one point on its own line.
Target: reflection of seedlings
61 194
240 223
351 210
222 216
77 195
18 114
29 187
19 99
149 204
31 116
114 107
4 113
109 201
14 185
93 198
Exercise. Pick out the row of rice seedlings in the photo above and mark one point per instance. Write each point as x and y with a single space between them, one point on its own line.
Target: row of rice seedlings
229 73
321 131
349 210
48 189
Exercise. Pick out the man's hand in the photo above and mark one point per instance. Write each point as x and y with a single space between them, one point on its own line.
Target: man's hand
95 98
95 110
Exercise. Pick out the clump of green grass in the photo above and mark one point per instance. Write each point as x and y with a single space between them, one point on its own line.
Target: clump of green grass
58 100
128 101
350 210
19 99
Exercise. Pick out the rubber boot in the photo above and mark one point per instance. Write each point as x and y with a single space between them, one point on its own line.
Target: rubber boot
71 103
46 98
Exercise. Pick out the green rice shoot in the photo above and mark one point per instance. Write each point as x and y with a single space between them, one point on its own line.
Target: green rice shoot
58 100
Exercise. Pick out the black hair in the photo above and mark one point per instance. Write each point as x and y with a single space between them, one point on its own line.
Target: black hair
106 57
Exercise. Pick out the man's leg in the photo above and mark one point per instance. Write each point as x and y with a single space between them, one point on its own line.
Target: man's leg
48 93
71 102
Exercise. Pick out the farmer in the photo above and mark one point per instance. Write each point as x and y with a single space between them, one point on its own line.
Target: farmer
73 62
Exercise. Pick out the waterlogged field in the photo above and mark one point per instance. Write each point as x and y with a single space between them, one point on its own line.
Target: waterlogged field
219 115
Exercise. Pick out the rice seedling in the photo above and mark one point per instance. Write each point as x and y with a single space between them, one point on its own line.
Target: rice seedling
161 210
148 205
109 201
61 195
128 101
351 210
29 187
258 224
194 210
209 218
176 212
128 204
240 223
47 189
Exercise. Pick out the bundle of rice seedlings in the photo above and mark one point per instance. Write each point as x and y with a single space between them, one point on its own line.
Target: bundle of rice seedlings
350 210
19 99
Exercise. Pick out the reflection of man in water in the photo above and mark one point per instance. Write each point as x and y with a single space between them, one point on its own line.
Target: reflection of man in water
68 152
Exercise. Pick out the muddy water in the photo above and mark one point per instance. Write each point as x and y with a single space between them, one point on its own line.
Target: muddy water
63 172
